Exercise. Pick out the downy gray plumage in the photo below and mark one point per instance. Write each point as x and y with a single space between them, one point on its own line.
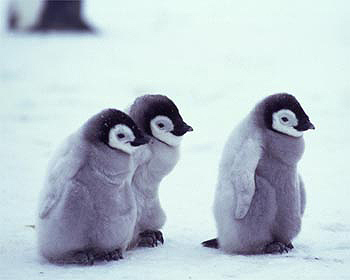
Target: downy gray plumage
260 197
158 117
87 210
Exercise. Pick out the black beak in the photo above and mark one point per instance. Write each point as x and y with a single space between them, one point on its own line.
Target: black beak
140 141
179 131
189 128
311 126
305 126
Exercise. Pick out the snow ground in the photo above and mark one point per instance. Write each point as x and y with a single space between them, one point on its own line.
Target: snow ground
215 59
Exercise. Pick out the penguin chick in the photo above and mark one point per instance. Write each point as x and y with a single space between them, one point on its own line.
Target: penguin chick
87 210
260 198
158 117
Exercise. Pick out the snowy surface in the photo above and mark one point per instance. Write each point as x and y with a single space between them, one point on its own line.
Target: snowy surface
215 59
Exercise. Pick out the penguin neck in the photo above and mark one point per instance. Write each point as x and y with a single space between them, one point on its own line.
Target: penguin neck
164 153
285 148
110 164
161 160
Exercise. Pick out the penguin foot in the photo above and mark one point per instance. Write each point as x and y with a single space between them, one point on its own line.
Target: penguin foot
150 238
278 247
115 255
83 258
212 243
108 256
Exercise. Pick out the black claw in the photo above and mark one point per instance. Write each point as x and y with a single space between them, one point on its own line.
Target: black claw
150 238
159 236
120 254
212 243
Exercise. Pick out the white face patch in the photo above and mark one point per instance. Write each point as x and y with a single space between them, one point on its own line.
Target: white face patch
284 121
161 127
120 137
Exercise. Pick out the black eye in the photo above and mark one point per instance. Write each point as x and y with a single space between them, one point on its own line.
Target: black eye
161 125
285 119
121 135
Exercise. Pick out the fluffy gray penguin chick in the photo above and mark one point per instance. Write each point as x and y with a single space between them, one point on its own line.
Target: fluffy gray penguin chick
260 198
158 117
87 210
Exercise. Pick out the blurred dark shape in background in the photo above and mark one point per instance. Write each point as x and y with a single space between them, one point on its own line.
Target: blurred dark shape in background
48 15
12 19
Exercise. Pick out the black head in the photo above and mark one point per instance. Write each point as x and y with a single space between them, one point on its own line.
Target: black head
98 128
146 108
284 114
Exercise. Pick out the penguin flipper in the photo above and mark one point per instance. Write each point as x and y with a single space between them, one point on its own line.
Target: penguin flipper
302 194
243 175
51 200
64 165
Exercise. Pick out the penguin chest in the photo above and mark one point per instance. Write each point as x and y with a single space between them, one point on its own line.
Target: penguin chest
112 205
283 180
113 215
